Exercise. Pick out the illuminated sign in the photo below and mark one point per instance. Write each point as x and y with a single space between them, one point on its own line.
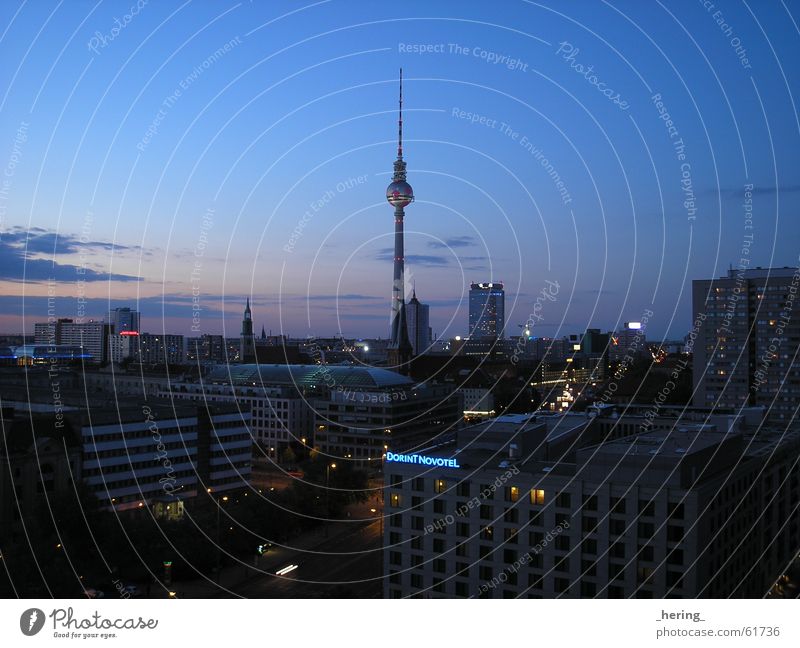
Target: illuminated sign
129 333
633 325
422 460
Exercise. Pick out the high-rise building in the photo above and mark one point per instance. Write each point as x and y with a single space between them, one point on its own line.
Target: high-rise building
91 337
123 319
158 349
532 506
206 349
747 336
487 310
419 330
122 345
399 194
247 349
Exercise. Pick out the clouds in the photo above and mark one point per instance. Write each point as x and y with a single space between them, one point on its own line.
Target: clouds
20 247
452 242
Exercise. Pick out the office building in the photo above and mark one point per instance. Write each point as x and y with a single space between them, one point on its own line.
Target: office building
158 454
123 319
747 336
159 349
122 346
206 349
486 310
91 337
540 507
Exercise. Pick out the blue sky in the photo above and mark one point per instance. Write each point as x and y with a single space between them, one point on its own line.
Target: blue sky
181 151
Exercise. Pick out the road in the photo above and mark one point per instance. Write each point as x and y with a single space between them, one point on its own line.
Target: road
347 564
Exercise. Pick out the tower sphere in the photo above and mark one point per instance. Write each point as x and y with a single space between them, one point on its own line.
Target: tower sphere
399 193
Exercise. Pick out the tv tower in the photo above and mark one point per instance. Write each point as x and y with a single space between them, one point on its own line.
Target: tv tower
399 194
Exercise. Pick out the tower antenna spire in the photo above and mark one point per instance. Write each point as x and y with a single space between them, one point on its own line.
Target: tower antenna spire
400 121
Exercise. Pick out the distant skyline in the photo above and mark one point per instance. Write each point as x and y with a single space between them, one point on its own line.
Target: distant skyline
204 153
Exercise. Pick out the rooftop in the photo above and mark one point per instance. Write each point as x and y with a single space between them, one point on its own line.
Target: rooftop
353 376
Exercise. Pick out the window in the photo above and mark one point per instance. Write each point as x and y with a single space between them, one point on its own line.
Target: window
486 512
438 506
647 553
643 574
487 532
562 543
485 572
438 585
589 524
675 510
535 518
616 527
439 485
560 585
416 503
675 557
589 567
463 489
561 565
417 484
674 579
462 589
396 520
438 545
395 558
439 565
537 496
394 538
397 480
590 546
394 500
416 561
511 515
588 590
590 502
646 507
462 569
416 581
417 522
416 542
484 551
617 550
617 504
510 535
462 550
462 529
674 533
509 556
646 529
512 493
563 500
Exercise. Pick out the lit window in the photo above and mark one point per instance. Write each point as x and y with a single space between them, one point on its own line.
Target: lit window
395 500
513 493
537 496
440 485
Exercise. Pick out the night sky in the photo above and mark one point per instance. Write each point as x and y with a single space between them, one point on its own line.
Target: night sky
242 149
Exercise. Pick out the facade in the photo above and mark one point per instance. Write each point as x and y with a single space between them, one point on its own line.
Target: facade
123 319
486 310
91 337
159 349
158 455
362 422
348 412
279 414
661 514
122 346
206 349
748 333
419 327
